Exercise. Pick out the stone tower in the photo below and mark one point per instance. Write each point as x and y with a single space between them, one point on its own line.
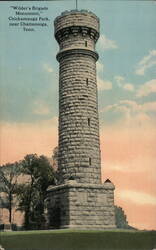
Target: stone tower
79 150
80 200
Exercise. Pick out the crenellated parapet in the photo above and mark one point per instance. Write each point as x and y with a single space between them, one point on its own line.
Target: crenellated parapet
65 33
78 24
81 18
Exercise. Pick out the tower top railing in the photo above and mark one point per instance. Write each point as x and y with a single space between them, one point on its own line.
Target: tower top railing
68 12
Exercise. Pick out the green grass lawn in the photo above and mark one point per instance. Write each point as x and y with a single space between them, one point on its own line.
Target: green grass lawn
79 240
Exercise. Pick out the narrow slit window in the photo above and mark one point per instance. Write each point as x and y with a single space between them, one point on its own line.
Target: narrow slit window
89 122
85 43
90 161
87 81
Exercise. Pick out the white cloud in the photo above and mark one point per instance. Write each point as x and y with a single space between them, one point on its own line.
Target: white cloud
149 106
48 68
123 84
133 114
133 162
131 104
103 84
147 88
135 107
146 63
100 67
108 108
105 44
118 167
137 197
41 108
143 90
119 80
128 86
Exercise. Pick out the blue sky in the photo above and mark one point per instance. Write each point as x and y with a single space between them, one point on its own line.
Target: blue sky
127 36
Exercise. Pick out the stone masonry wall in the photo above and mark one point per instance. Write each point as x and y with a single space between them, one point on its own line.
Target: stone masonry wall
91 207
73 42
85 206
78 140
57 206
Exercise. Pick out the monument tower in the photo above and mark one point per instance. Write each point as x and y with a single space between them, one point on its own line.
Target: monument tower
80 200
79 150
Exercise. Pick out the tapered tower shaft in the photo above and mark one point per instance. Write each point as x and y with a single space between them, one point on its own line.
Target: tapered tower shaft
79 149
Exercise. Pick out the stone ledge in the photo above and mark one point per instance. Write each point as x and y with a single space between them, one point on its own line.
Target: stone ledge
90 227
70 52
74 184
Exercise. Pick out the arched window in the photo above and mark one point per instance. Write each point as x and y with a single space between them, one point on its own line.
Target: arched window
89 122
85 43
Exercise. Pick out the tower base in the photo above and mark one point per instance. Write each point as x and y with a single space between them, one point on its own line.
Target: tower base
81 206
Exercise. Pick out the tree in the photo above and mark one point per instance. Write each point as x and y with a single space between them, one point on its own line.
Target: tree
121 218
58 171
8 185
32 194
55 158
